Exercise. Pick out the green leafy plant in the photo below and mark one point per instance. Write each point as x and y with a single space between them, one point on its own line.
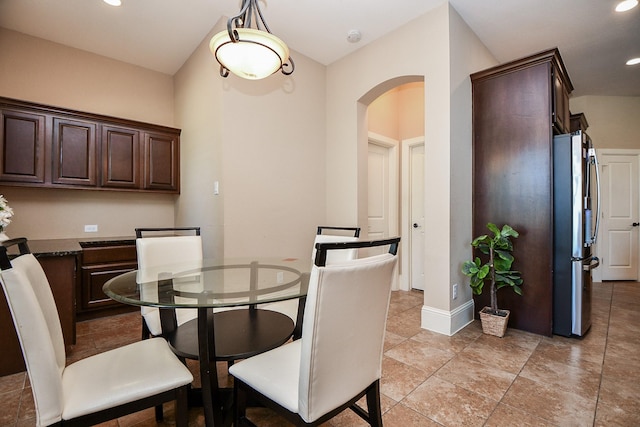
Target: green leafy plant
497 270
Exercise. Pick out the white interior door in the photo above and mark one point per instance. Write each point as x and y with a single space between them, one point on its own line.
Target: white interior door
413 237
417 216
618 245
382 190
378 192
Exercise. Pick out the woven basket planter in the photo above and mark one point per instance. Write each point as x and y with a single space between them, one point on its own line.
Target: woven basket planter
494 324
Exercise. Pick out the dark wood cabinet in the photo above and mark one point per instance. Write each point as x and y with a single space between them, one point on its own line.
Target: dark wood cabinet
74 152
99 264
120 157
578 122
61 271
22 158
161 150
52 147
561 89
515 115
11 360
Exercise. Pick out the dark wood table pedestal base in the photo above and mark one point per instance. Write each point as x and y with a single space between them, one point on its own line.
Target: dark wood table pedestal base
229 335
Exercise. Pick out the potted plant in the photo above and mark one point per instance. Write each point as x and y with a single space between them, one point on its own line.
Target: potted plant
497 272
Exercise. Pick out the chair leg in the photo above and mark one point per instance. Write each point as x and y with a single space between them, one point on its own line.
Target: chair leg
146 334
373 405
239 404
182 407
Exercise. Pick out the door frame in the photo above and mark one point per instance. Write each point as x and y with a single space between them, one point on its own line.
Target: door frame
601 152
405 242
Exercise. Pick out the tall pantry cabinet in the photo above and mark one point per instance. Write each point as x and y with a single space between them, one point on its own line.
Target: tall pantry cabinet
517 108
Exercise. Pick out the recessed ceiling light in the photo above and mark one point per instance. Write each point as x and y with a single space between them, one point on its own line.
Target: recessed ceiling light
633 61
625 5
118 2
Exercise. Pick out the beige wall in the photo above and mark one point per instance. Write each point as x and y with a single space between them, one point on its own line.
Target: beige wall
199 115
447 125
264 143
37 70
614 121
383 114
274 162
411 118
62 214
467 55
399 112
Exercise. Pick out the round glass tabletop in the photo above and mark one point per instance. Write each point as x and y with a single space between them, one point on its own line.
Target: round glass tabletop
212 283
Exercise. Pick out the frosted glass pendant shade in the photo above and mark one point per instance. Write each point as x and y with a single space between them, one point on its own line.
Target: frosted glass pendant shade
256 55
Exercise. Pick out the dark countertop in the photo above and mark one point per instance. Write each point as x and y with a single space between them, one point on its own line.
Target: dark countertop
63 247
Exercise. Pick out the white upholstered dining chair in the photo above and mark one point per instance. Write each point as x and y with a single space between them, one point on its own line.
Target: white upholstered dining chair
162 251
95 389
325 234
338 359
330 234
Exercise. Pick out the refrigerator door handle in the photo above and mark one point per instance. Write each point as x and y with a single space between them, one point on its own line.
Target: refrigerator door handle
592 153
595 262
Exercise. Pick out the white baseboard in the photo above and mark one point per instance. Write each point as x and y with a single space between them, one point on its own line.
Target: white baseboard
447 322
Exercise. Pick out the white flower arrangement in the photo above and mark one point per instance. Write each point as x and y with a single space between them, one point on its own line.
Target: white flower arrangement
5 213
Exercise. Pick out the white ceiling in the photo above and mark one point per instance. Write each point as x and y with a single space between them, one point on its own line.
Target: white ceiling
594 41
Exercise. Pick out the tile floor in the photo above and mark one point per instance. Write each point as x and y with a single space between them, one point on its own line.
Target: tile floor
470 379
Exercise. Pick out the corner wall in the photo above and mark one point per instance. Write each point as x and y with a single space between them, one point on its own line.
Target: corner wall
198 101
263 141
441 41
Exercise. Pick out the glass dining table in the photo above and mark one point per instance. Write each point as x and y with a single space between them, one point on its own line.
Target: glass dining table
220 332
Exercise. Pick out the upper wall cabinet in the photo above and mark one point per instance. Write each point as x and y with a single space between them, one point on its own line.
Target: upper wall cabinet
161 150
579 122
538 85
51 147
120 157
23 146
74 152
562 88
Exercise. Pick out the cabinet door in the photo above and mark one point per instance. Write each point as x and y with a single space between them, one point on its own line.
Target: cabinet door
22 146
93 278
561 115
512 183
74 152
161 162
120 157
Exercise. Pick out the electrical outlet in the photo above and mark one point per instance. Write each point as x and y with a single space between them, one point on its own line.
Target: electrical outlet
91 228
455 291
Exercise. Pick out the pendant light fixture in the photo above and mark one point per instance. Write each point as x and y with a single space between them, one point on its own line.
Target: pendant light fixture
248 49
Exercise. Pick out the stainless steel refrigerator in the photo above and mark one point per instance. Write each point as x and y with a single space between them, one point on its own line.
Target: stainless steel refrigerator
575 196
